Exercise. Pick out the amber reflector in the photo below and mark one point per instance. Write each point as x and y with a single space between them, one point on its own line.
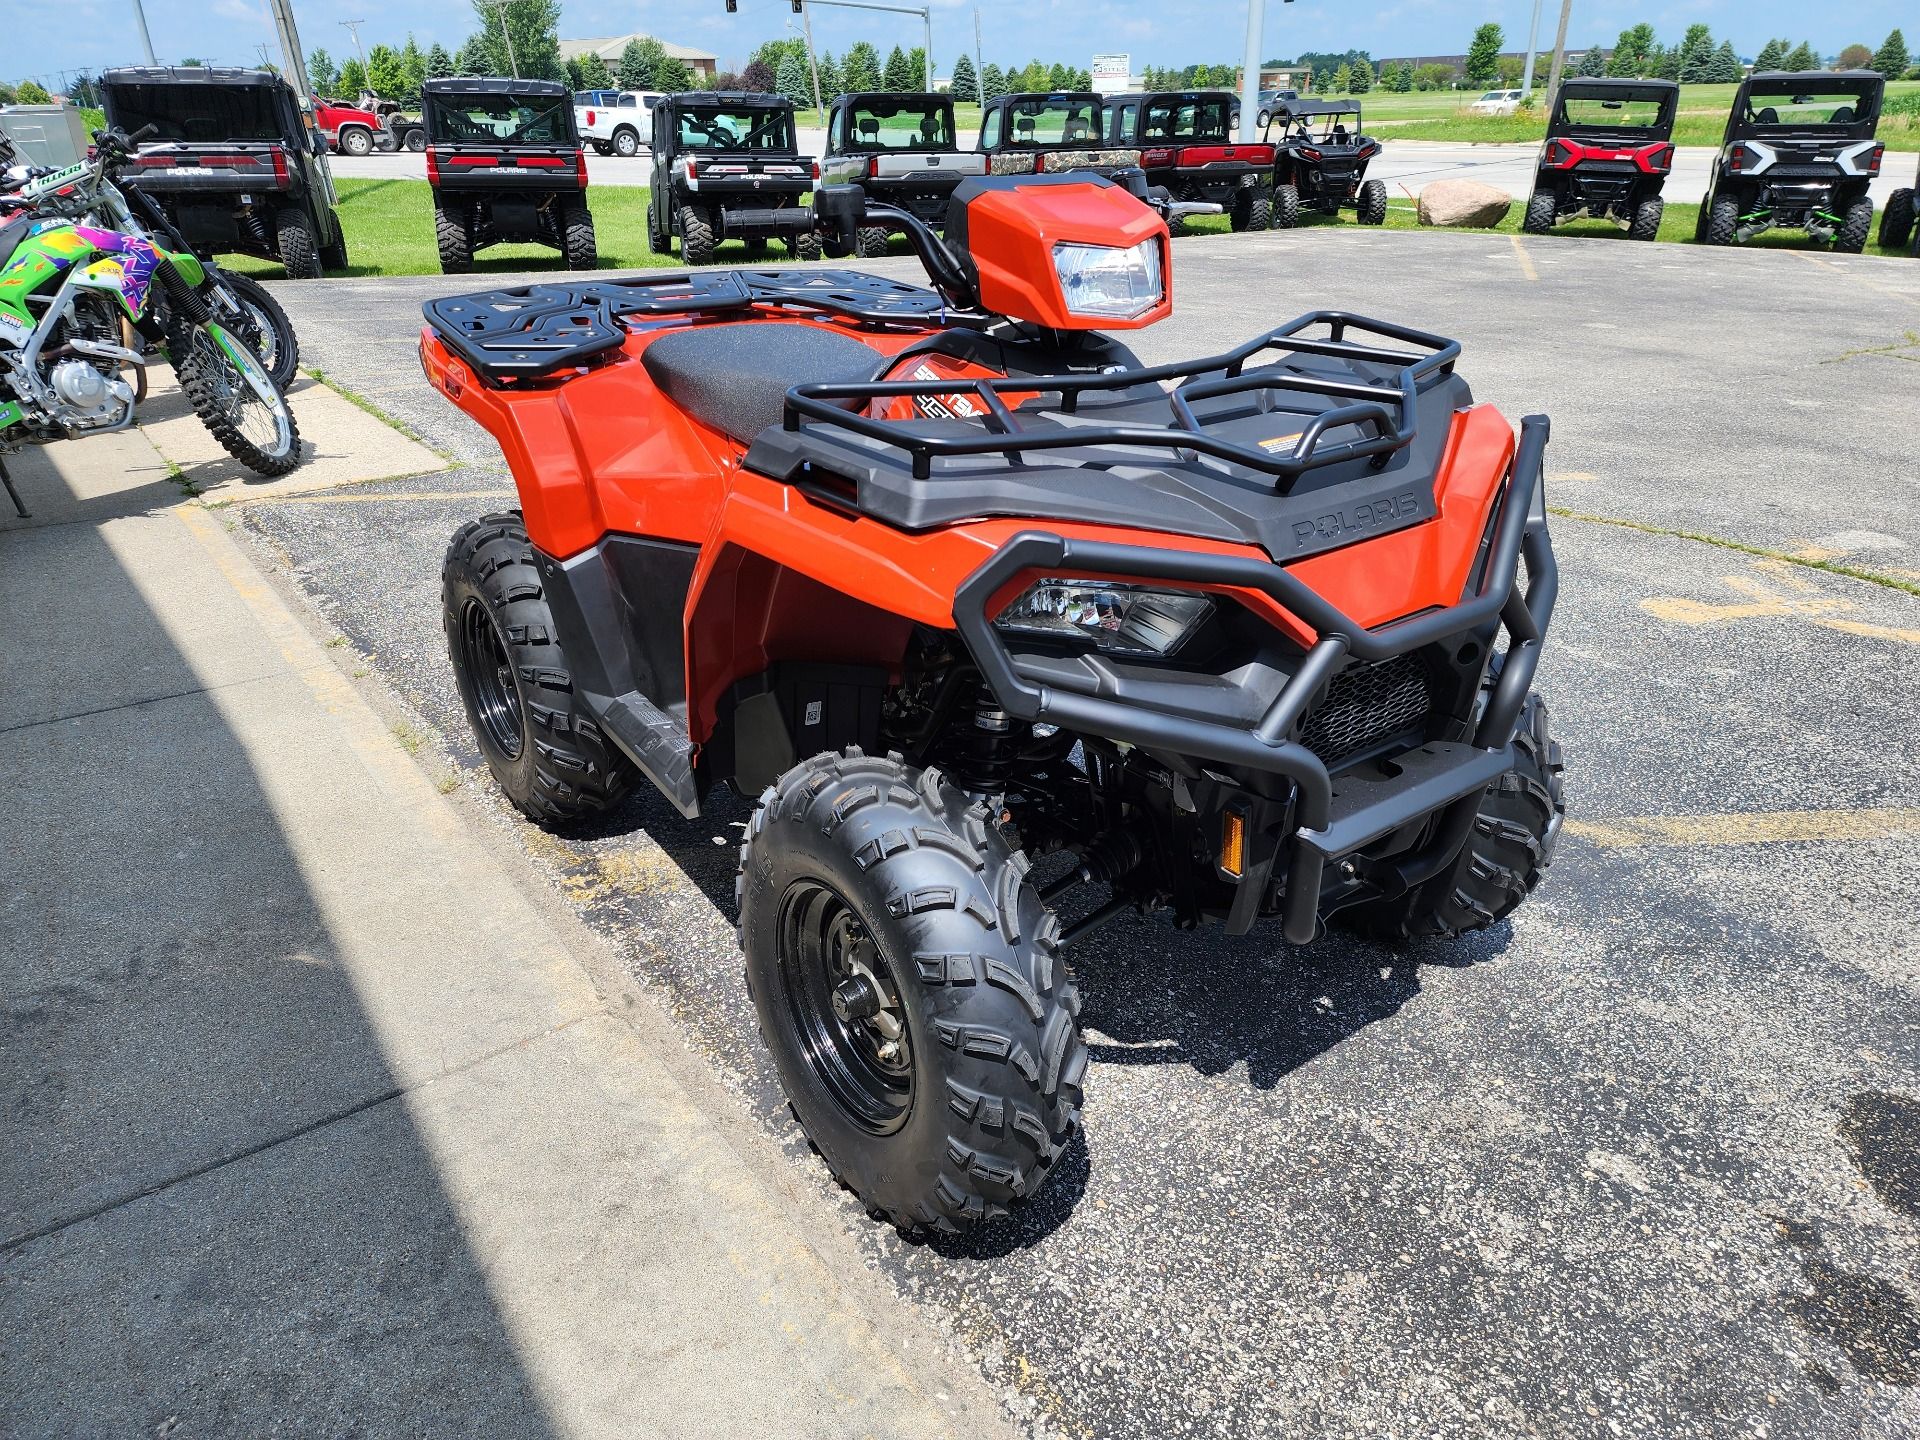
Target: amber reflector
1233 843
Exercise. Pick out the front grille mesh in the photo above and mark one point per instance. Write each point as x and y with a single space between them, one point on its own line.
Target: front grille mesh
1366 705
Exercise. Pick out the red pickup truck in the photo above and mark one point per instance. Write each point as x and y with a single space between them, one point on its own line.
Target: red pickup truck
355 130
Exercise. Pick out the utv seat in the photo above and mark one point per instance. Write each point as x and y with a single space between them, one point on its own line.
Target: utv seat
735 378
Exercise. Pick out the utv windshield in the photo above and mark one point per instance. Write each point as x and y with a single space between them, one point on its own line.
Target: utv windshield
500 119
747 128
197 114
1591 113
1169 117
1053 120
903 125
1331 127
1832 104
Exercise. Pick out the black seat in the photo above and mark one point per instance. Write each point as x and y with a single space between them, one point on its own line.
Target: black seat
735 378
12 232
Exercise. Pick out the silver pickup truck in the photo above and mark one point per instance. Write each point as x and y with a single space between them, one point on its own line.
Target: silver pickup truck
901 150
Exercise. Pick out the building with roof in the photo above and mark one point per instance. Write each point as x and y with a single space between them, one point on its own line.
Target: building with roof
610 47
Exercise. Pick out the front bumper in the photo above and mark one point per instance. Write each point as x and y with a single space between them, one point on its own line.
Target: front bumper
1329 821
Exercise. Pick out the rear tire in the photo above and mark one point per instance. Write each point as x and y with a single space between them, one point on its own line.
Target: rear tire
655 244
283 363
293 238
207 375
1372 204
1852 236
333 255
1896 221
870 243
866 868
416 142
1647 216
1723 222
453 232
576 228
1507 851
356 140
1286 207
1541 212
805 246
696 236
626 142
553 763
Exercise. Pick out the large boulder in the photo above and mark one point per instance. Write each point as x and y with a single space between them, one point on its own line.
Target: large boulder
1466 204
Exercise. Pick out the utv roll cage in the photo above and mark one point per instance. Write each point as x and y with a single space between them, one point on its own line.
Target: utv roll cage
1753 118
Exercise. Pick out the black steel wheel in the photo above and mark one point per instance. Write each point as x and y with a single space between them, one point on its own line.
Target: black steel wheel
496 699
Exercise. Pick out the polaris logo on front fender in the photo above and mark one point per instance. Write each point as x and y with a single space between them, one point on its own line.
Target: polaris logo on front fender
1353 521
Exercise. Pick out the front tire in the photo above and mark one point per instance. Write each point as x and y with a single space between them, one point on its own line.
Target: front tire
1647 216
1723 222
870 242
553 763
626 143
1852 236
908 983
258 431
274 342
1896 221
453 233
1541 211
1286 207
356 141
1372 204
1508 850
294 240
696 236
576 229
805 246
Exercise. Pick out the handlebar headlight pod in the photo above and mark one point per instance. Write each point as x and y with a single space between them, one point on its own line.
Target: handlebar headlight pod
1108 282
1117 618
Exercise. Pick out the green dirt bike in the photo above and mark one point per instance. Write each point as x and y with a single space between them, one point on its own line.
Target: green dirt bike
66 289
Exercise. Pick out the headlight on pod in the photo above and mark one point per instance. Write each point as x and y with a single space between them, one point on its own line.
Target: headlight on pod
1106 280
1119 619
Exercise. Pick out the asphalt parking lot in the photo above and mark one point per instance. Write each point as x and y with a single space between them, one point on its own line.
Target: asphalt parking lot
1641 1162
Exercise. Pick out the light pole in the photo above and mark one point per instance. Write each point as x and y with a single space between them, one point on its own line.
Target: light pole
1250 72
1533 33
925 12
354 26
1559 51
506 33
146 40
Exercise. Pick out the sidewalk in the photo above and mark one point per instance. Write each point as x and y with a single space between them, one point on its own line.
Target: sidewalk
315 1121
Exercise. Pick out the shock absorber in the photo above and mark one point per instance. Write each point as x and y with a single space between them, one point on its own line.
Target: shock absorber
982 748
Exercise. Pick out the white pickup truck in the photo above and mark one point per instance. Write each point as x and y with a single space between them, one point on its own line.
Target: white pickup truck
615 122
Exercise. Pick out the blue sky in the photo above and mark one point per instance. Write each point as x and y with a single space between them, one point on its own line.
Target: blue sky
46 38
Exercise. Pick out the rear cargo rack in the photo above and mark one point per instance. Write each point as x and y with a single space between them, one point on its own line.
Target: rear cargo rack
531 331
1389 405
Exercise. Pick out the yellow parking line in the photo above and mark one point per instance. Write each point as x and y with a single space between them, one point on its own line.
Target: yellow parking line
1747 828
1526 260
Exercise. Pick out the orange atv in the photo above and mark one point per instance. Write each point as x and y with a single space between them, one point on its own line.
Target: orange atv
958 587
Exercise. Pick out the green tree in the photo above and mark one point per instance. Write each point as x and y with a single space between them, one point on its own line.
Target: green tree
993 81
472 59
792 81
1593 63
1360 78
523 37
31 92
385 76
1432 77
1801 57
758 78
831 86
323 72
1632 52
1509 70
966 82
861 68
1341 79
352 80
1724 68
439 62
899 72
1770 56
634 69
594 73
917 62
413 71
1891 59
1854 57
1483 55
671 76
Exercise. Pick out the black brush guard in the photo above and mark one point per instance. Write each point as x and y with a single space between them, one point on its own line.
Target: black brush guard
1330 823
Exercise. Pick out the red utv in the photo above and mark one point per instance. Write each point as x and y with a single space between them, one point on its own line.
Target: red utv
1008 633
1188 149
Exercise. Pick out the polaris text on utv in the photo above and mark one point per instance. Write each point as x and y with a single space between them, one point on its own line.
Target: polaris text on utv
506 167
1606 155
1799 153
231 163
727 166
1009 633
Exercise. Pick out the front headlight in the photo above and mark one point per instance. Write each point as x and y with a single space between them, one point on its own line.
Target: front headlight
1109 281
1119 619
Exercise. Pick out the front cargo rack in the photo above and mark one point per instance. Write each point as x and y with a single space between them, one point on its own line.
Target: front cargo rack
531 331
1389 404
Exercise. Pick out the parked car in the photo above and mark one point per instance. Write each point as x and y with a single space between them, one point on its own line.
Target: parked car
506 166
901 150
1497 102
1799 153
232 164
1269 101
727 166
1033 133
1187 148
1607 154
615 122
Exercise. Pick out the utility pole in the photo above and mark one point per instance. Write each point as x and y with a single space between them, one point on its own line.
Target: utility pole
1250 72
979 66
1533 33
354 26
813 65
506 31
146 40
1559 51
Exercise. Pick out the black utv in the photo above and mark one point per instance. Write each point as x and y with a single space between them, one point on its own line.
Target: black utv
1896 221
1606 156
1050 134
1188 149
1320 160
1800 154
727 166
900 149
232 164
506 167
